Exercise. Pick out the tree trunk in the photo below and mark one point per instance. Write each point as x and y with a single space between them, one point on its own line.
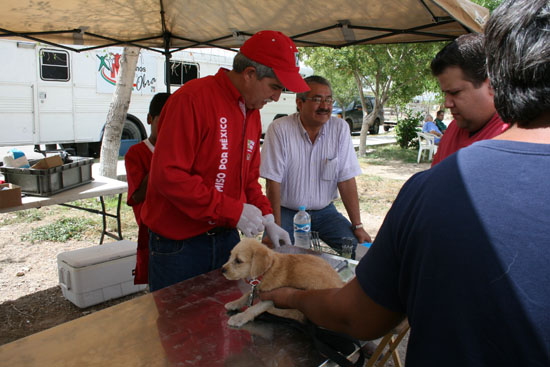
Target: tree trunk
367 121
117 112
364 127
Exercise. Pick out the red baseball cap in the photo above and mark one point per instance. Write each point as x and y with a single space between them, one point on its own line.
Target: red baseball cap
277 51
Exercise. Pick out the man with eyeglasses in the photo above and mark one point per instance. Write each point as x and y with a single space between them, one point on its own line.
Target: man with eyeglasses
307 158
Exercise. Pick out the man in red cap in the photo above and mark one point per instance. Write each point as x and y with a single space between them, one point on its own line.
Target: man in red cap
203 184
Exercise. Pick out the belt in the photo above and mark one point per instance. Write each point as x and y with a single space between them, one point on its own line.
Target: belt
216 230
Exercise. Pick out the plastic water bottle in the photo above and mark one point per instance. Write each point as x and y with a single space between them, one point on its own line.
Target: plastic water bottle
302 228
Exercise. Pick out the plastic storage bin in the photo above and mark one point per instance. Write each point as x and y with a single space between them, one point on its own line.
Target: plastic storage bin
46 182
97 274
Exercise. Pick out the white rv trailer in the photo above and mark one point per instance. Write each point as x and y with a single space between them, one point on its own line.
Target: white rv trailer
52 96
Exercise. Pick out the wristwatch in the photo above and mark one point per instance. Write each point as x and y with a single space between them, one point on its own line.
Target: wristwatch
357 226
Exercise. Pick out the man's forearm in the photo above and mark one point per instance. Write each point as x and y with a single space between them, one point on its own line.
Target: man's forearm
139 195
273 193
318 306
348 309
348 193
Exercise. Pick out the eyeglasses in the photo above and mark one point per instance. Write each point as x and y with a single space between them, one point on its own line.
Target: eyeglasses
318 100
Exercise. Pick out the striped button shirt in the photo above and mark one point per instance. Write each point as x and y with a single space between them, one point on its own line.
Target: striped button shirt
308 173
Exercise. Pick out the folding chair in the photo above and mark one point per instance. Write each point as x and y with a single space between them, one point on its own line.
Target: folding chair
426 141
390 342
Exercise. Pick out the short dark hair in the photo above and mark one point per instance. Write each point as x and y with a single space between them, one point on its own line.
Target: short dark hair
158 101
440 111
465 52
313 79
518 50
241 62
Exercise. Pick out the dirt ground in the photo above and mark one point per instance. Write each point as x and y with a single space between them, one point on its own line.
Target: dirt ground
30 299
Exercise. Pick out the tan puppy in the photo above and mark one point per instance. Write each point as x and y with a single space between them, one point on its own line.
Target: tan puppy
254 261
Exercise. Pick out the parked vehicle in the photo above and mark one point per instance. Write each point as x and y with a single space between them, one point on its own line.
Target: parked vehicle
52 96
354 115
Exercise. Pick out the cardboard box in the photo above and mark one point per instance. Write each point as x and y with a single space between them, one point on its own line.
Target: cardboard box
11 196
97 274
48 162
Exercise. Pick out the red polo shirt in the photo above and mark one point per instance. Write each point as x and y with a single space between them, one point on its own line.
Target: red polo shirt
206 161
456 138
138 165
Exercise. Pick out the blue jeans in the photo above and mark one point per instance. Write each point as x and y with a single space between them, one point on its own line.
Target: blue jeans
331 225
172 261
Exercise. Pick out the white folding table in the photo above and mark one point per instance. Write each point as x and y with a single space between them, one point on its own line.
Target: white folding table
99 187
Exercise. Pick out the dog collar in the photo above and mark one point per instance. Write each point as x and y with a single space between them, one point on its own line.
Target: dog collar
256 281
253 283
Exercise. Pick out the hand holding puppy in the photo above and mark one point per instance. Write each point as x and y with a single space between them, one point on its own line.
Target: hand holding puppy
283 297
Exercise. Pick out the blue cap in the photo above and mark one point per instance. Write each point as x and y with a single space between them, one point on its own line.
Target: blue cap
302 207
366 244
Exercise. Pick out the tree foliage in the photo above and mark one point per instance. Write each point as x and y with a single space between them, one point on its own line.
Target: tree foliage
325 63
405 131
394 73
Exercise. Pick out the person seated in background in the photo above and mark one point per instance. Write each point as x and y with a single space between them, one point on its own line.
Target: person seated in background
307 159
467 266
138 164
439 121
460 68
431 128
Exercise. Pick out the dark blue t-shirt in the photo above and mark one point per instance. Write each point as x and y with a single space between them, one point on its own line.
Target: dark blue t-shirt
465 253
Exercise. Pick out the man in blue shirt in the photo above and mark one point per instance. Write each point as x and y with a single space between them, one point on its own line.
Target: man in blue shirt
467 267
431 128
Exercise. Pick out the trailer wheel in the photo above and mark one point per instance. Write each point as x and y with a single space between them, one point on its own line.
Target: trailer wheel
131 131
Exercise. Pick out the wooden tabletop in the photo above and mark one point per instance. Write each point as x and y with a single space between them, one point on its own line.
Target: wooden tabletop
185 324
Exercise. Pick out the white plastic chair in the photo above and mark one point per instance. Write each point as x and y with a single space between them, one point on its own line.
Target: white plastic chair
426 141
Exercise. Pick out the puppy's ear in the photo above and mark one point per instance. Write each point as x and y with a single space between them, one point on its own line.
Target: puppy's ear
261 261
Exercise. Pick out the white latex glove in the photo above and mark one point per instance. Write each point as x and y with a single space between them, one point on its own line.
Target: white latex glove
276 234
250 223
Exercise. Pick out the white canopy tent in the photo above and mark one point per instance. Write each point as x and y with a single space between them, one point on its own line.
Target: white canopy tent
167 26
171 25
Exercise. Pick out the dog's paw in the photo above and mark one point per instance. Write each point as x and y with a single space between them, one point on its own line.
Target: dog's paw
233 305
238 320
232 312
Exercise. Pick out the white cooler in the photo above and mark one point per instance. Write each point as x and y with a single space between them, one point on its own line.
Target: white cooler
96 274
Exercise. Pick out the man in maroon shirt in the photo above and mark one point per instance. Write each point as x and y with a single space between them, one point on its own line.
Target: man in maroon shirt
203 184
460 68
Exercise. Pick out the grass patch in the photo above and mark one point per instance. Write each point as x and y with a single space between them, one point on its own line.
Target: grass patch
380 154
376 194
110 201
24 216
60 231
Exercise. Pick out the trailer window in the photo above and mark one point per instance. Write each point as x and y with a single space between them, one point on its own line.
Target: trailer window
54 65
182 72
